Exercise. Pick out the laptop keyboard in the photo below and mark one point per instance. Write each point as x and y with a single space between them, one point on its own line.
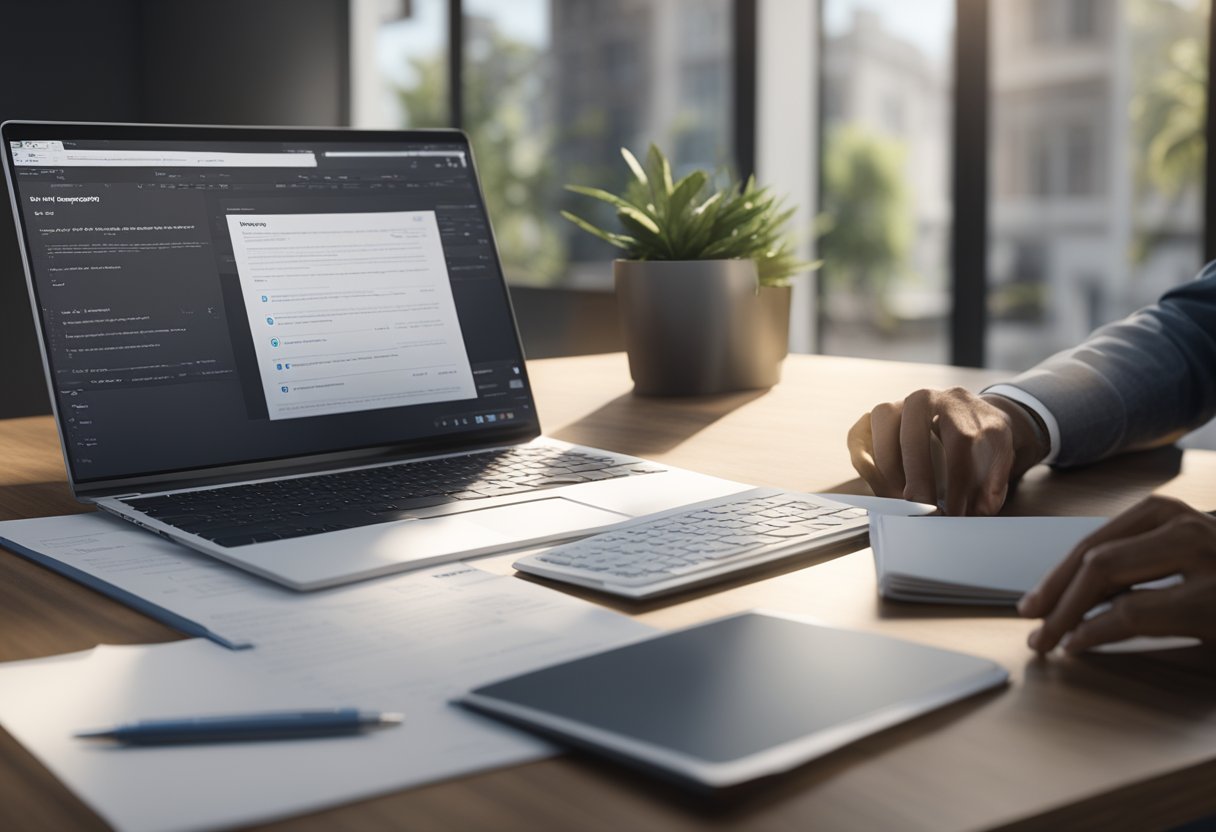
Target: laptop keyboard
674 550
280 509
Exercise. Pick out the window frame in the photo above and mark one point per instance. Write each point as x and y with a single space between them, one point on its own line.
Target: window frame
971 110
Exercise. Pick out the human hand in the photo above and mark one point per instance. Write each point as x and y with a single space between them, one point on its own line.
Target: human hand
987 442
1156 538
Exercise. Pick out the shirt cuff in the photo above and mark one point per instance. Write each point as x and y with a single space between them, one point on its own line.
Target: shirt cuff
1026 400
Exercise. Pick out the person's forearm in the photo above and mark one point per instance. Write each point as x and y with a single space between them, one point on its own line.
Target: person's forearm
1140 382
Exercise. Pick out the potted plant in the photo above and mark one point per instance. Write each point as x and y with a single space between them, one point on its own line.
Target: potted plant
703 290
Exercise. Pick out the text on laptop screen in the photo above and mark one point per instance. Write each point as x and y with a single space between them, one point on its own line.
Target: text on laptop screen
212 303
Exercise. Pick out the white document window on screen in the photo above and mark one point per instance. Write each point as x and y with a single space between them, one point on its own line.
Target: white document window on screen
350 311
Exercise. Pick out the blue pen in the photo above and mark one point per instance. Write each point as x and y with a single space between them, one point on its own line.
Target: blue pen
246 727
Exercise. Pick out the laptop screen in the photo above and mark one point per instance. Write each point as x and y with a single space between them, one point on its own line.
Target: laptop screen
262 295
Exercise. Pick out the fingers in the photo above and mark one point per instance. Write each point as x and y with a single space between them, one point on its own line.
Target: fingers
1141 517
861 454
994 459
892 448
1110 568
1182 610
885 422
978 446
1137 613
915 444
960 475
874 450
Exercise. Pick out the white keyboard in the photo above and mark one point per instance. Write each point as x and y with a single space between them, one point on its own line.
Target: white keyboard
697 544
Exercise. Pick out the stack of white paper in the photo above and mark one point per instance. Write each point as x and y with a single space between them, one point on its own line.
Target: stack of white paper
970 560
408 643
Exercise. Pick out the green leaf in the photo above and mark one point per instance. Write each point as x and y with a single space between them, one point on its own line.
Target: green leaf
603 196
692 219
635 166
700 233
685 192
721 248
655 245
615 239
777 223
704 206
640 217
679 213
658 169
740 215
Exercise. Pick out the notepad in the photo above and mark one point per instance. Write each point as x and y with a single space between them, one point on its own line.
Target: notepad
742 697
991 561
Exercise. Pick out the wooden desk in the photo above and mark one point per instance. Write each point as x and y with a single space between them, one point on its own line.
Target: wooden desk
1103 742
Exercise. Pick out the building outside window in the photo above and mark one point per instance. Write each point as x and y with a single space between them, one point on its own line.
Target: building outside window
885 213
1095 154
1096 165
552 89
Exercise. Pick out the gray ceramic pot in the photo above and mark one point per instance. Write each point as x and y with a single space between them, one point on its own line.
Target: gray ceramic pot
694 327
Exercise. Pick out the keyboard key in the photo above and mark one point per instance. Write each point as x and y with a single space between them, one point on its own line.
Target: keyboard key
238 514
784 533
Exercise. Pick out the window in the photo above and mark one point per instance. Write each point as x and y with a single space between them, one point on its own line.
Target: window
1055 22
1082 19
884 225
1094 148
405 83
551 90
1079 159
1111 128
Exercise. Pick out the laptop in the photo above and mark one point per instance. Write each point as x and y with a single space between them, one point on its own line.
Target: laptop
294 350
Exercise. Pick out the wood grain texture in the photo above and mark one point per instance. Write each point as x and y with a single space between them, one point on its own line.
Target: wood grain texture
1104 742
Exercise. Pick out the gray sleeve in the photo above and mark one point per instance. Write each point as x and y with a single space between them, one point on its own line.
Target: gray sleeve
1136 380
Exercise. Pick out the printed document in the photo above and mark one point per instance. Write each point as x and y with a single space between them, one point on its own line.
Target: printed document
185 589
409 644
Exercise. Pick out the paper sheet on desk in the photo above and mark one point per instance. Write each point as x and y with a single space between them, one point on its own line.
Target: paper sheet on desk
206 596
180 587
985 561
970 560
409 644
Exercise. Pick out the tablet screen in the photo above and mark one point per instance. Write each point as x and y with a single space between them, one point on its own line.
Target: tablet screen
741 686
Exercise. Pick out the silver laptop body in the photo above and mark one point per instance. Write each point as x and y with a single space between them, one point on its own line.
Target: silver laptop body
294 350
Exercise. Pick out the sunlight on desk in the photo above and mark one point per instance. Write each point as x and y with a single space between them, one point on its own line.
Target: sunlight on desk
1096 741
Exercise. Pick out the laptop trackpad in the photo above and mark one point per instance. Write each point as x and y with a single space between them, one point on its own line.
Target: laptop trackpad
541 518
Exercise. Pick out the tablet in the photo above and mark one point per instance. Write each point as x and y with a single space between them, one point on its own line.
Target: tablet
737 698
